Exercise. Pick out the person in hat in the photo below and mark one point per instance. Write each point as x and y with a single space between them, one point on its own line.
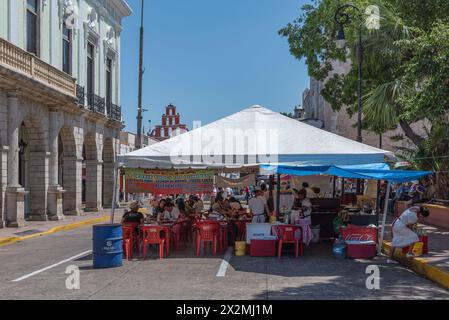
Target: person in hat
133 215
403 235
258 206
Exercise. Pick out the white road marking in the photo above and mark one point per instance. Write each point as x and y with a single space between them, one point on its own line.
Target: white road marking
82 254
225 263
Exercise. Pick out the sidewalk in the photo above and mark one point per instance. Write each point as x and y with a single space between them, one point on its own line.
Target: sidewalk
435 264
34 229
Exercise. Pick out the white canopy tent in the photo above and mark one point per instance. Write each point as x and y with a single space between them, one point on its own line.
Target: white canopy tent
253 136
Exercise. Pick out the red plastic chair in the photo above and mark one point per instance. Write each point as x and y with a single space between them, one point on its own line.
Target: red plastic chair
241 230
207 232
136 233
128 235
286 234
152 235
176 232
186 230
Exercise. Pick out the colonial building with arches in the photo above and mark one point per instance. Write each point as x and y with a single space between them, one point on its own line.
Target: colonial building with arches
60 119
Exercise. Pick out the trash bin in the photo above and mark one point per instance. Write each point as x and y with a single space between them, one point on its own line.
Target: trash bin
107 246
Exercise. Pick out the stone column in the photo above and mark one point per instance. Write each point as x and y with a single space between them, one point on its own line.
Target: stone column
38 185
15 194
3 183
108 187
55 191
93 185
73 186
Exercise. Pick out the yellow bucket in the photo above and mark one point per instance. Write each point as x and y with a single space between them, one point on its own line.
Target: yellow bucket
417 249
240 248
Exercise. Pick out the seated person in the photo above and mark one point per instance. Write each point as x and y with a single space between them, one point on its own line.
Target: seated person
133 215
170 213
198 204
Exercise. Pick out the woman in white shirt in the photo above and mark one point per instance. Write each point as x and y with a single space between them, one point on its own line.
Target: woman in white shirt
403 235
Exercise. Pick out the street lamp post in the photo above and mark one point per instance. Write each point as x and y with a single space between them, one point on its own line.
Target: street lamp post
139 107
343 17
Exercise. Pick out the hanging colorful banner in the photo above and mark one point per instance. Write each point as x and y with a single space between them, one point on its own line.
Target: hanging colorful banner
169 182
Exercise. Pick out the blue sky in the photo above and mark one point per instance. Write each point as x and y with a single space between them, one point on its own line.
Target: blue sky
210 58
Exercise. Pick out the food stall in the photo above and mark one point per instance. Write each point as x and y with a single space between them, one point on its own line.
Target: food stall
373 171
247 139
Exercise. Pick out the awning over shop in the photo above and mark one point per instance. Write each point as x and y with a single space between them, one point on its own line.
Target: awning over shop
376 171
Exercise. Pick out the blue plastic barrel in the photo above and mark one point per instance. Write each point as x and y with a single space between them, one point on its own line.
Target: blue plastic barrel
339 251
107 246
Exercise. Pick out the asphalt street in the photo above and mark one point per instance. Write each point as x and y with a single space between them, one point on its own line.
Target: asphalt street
39 268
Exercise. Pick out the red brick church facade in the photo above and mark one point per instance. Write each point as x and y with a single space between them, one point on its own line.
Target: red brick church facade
171 121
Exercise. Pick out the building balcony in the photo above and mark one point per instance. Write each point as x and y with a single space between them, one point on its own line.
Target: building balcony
114 112
27 64
95 103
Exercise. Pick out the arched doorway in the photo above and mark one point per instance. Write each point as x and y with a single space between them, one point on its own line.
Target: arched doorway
69 169
24 165
33 168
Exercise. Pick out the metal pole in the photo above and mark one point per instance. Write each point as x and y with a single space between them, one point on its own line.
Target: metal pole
333 186
278 195
139 107
384 219
359 87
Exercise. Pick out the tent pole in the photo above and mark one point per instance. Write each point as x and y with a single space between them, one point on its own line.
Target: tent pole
114 194
333 186
278 195
384 219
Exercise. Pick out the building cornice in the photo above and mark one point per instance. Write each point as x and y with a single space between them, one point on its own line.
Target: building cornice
123 8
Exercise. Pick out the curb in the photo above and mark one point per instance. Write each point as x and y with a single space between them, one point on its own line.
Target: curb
421 266
67 227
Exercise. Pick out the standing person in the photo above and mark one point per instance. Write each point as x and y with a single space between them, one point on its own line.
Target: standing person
403 234
309 192
303 205
247 194
258 206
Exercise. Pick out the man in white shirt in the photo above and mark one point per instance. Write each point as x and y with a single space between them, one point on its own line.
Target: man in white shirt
258 206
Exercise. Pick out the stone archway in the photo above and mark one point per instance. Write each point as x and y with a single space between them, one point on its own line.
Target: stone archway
69 168
94 180
33 171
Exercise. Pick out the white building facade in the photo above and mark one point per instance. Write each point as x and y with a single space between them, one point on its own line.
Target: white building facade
60 119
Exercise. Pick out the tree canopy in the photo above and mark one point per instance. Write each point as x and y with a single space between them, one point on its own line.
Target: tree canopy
405 61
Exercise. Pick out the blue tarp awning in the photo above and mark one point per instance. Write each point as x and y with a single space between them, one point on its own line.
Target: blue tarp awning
376 171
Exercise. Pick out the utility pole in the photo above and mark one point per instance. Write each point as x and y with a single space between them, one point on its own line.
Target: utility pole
139 108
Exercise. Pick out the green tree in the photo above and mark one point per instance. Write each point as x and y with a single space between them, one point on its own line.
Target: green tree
405 71
405 61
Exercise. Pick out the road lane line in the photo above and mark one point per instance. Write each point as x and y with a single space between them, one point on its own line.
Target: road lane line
225 263
82 254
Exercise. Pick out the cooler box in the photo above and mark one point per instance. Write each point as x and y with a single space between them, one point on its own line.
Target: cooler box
254 230
361 249
263 247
